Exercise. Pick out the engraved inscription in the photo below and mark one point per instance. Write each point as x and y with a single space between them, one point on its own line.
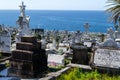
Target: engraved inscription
107 58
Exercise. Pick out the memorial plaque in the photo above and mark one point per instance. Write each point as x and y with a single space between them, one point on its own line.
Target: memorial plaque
107 58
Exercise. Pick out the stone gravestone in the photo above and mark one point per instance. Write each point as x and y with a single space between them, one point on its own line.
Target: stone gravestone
117 31
107 56
110 33
29 59
23 23
77 37
5 41
55 60
80 54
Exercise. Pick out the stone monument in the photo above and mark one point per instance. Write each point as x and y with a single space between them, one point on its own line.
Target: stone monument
23 23
5 41
80 54
28 60
110 33
107 55
77 37
117 34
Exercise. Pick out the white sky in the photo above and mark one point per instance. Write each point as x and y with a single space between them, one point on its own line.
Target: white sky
55 4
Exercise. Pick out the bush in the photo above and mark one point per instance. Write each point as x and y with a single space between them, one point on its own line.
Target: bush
78 74
7 64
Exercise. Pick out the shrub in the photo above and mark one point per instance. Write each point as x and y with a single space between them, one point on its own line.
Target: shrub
78 74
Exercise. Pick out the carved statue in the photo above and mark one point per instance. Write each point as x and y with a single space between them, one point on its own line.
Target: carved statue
22 10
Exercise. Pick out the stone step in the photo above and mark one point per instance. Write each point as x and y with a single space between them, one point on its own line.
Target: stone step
25 46
29 39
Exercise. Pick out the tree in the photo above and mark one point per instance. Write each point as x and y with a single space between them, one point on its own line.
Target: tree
114 8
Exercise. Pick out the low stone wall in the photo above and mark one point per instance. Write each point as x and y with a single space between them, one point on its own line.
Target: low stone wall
54 75
4 59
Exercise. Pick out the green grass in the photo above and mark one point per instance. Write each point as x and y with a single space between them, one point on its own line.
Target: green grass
7 64
78 74
55 68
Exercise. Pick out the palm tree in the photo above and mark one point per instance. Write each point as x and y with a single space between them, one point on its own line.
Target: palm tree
115 10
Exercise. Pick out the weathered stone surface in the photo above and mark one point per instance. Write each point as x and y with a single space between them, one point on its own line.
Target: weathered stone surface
80 66
54 60
25 46
107 58
28 59
80 55
109 43
29 39
22 55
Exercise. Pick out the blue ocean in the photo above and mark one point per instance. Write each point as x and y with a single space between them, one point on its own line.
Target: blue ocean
60 20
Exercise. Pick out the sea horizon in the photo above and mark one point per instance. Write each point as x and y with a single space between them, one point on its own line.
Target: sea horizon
71 20
56 9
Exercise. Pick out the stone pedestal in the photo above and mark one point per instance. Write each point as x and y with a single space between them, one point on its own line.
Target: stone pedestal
28 60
